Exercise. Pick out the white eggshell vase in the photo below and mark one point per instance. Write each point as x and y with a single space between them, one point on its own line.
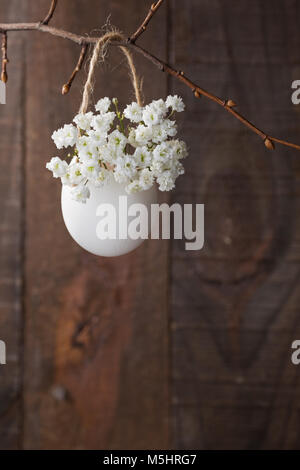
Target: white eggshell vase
81 219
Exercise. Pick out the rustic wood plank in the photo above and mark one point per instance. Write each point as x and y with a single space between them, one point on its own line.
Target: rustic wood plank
235 304
96 369
12 234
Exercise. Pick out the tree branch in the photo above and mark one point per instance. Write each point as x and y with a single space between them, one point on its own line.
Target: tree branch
4 57
48 29
50 12
154 7
66 87
228 104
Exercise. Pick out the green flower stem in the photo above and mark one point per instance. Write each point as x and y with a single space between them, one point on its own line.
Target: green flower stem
119 116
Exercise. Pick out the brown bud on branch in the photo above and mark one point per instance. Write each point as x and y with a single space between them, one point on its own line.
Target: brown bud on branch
230 103
65 89
269 144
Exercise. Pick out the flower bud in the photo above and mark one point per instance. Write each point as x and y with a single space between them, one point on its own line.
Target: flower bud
231 103
269 144
4 77
65 89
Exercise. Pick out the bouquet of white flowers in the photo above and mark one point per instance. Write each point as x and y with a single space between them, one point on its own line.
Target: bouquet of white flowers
137 153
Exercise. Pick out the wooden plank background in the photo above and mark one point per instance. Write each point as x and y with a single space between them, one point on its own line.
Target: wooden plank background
162 348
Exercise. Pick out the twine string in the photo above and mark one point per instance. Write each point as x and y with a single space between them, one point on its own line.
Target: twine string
99 51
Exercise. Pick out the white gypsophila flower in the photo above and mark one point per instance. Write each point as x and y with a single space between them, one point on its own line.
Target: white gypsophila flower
143 134
159 133
103 105
166 181
90 169
96 138
142 156
125 169
150 117
83 120
118 140
158 167
126 165
120 176
132 138
169 127
163 152
83 146
133 187
65 180
58 167
75 172
65 137
133 112
101 177
103 122
154 112
179 148
175 102
146 179
178 168
160 107
87 149
80 193
108 153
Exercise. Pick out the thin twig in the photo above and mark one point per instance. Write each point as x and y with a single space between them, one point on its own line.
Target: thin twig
66 87
153 9
50 12
228 105
4 57
78 39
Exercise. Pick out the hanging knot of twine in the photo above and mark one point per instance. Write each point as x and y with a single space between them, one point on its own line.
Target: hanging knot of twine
99 52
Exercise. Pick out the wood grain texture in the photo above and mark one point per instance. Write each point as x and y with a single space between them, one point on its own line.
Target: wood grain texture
12 235
235 305
96 371
94 343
